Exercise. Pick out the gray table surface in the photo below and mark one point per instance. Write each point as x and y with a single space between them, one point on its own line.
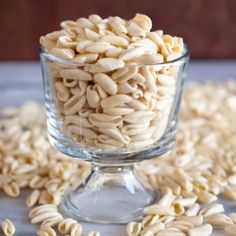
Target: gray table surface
21 81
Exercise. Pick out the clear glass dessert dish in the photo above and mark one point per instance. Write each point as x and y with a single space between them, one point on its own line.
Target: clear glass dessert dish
112 119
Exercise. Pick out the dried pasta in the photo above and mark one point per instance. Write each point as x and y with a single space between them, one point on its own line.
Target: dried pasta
113 67
8 227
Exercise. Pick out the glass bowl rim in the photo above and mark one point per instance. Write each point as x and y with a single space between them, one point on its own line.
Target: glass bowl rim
42 51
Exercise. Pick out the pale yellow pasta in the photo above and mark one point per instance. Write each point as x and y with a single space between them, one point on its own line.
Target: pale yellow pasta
158 210
84 23
105 139
45 197
195 220
76 229
91 35
166 200
63 92
178 209
8 227
93 233
166 80
187 201
133 229
75 74
229 193
110 64
98 47
164 91
212 209
77 120
53 221
74 104
95 19
156 38
117 24
115 100
47 43
114 52
149 59
184 226
100 91
120 72
86 132
136 129
68 24
204 230
137 105
115 40
104 120
92 97
37 182
43 208
232 179
166 219
65 226
143 136
232 216
106 82
135 30
138 93
150 79
33 198
171 232
39 215
94 68
133 53
46 231
230 229
150 220
219 220
126 88
144 21
81 45
63 53
59 193
116 134
69 83
206 197
24 168
139 144
12 189
168 182
118 111
152 229
139 116
149 44
65 41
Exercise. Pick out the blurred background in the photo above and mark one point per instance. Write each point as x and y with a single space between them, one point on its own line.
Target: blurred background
207 26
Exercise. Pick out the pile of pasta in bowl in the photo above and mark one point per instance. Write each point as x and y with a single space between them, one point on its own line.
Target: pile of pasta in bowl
108 82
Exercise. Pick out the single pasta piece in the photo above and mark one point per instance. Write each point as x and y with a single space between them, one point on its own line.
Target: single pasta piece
8 227
230 229
133 228
46 231
33 198
219 220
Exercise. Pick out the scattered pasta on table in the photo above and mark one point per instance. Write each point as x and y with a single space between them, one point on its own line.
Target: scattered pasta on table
200 168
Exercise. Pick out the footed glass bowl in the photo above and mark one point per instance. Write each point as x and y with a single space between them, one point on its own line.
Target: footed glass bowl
112 119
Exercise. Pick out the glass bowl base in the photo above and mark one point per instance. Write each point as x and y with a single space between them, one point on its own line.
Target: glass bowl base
110 195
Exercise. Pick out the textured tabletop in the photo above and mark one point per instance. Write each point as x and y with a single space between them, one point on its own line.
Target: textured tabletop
22 81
